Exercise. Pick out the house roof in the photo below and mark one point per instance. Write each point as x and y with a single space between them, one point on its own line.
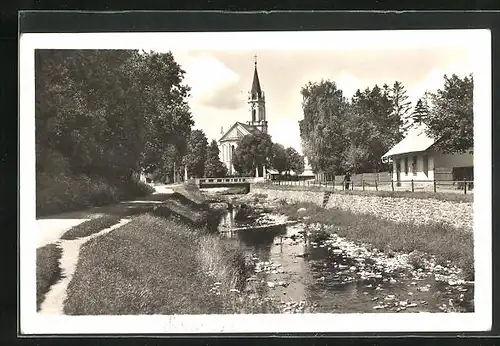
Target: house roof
416 140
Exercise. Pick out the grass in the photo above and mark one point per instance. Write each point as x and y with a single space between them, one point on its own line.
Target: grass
442 196
91 226
155 265
47 270
442 241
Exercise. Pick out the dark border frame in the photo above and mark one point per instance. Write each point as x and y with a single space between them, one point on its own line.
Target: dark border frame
145 21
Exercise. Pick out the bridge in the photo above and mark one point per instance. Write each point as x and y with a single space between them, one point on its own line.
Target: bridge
224 182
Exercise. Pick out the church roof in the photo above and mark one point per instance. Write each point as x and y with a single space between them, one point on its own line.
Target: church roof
235 130
256 90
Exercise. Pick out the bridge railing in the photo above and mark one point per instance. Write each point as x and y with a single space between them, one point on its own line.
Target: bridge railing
232 180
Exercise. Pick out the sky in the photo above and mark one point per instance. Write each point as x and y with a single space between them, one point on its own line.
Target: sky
220 81
219 69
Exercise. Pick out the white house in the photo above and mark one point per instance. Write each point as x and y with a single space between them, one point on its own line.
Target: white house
415 158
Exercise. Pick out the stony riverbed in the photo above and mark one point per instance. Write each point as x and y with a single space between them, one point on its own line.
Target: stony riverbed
337 274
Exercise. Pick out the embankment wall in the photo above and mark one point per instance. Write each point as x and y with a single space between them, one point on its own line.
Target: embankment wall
397 209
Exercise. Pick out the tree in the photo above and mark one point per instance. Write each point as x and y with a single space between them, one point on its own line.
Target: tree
450 118
103 114
420 112
279 158
323 129
400 106
295 161
254 150
214 167
373 129
196 155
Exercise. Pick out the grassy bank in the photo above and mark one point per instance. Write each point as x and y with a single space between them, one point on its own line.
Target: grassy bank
91 226
442 241
442 196
158 266
47 270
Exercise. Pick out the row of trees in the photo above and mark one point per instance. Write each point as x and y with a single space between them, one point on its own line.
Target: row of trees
255 150
202 159
341 135
102 115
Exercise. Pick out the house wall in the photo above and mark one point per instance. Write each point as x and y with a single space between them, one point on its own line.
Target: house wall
420 175
435 160
225 154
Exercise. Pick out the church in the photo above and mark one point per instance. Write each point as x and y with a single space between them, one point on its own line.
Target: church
232 137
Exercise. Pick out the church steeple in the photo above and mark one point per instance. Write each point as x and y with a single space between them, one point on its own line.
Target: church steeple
256 90
257 102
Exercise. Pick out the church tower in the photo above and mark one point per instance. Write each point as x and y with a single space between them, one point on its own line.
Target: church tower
257 102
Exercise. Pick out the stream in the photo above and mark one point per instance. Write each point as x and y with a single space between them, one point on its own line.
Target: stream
336 275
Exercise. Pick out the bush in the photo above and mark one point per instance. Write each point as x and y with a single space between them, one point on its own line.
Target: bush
57 192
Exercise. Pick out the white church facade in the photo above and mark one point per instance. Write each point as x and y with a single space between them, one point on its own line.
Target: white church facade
258 123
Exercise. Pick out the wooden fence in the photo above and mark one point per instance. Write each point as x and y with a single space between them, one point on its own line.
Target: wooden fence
383 181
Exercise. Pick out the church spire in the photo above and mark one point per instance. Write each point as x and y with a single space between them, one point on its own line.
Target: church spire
256 90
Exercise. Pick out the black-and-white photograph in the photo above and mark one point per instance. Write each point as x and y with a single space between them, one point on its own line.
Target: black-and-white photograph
304 178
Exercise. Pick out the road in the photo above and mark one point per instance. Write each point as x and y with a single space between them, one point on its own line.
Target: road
51 228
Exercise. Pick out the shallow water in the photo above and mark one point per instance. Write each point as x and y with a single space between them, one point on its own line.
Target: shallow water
329 277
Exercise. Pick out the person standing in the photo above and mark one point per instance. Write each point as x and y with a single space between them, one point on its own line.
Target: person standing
347 180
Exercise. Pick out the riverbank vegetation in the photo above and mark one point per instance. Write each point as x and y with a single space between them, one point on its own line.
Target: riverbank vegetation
444 242
159 266
441 196
47 270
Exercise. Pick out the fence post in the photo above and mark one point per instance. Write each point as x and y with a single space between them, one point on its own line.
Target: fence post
363 184
465 186
392 185
376 185
412 188
434 185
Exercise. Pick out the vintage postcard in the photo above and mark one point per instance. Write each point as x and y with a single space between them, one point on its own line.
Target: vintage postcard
255 182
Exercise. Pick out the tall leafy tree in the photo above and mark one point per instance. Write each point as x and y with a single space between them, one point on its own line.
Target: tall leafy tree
214 167
279 158
323 129
451 118
372 130
295 161
196 153
253 151
107 113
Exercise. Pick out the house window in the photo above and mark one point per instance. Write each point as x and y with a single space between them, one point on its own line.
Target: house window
426 165
414 165
406 165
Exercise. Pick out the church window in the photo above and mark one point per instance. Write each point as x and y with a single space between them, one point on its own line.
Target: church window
253 114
